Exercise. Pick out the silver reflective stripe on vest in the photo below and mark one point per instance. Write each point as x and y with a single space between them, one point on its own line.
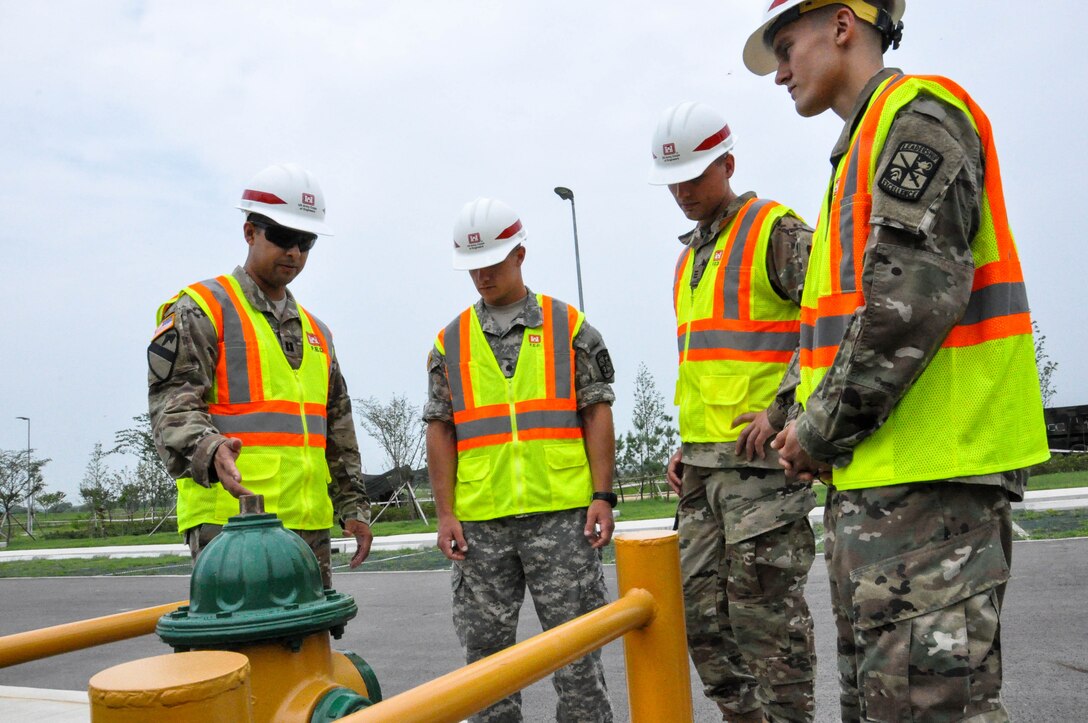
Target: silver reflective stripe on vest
741 340
483 428
316 424
995 300
846 222
548 420
829 331
234 345
734 268
452 341
561 349
258 422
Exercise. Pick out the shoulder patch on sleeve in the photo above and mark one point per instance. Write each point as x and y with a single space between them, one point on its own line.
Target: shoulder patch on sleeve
911 169
604 363
162 352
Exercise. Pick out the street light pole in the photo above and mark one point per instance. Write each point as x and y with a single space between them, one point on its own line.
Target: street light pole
568 195
29 486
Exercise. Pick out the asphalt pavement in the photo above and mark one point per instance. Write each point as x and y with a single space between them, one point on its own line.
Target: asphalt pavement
404 631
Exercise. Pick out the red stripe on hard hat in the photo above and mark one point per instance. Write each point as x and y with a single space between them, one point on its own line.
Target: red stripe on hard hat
776 3
261 197
509 230
714 139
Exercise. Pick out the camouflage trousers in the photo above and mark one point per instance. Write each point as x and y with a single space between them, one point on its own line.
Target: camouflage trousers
548 553
918 574
746 547
197 538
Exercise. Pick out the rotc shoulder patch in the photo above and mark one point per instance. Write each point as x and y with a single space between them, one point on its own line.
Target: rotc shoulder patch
604 363
162 352
911 169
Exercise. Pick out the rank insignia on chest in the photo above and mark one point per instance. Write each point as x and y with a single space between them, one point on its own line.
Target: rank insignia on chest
314 341
717 259
911 169
534 339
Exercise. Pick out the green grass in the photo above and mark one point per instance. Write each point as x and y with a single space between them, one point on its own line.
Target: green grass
1058 480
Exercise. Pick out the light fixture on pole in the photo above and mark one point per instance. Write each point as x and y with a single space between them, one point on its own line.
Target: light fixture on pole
568 195
29 486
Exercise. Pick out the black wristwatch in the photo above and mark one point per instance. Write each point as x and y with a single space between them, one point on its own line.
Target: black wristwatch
609 497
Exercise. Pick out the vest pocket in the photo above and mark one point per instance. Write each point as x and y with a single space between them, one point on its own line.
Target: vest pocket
473 499
724 397
569 483
258 470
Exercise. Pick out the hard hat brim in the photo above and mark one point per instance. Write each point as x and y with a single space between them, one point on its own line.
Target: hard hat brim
291 220
685 171
466 260
758 58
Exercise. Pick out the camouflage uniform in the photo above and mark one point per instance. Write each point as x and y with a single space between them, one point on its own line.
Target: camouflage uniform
546 551
187 440
889 548
745 541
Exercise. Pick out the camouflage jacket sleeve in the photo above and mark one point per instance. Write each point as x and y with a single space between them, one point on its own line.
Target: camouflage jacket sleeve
787 263
180 424
593 370
346 489
439 406
916 280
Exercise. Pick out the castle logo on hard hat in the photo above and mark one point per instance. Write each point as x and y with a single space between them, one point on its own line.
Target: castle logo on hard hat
308 199
474 240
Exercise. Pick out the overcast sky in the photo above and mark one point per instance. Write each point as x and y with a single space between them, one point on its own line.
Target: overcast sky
131 128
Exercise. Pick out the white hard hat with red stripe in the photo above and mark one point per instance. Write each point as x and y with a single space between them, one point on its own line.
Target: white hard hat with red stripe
758 55
289 195
485 232
689 137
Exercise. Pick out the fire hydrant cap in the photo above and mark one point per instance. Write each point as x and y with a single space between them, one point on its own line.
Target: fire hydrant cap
256 581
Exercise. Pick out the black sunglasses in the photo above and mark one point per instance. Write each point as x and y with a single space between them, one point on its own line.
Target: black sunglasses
286 238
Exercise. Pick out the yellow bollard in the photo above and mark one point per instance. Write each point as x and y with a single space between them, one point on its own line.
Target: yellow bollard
658 677
207 685
42 643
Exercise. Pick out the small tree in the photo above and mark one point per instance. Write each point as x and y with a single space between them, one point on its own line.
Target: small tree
1046 367
399 430
644 451
51 501
95 489
157 487
19 481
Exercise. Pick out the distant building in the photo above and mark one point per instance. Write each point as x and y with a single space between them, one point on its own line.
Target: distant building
1067 428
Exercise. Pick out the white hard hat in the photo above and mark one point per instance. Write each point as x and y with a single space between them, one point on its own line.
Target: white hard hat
689 137
485 232
758 55
289 195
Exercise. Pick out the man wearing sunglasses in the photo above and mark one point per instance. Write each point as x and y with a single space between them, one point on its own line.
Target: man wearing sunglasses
245 392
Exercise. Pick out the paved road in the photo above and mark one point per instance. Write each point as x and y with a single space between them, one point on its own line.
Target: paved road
404 631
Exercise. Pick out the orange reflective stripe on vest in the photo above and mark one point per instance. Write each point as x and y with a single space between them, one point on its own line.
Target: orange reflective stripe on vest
240 410
732 333
998 306
552 417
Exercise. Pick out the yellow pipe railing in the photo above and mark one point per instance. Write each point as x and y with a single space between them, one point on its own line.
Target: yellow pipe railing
42 643
650 612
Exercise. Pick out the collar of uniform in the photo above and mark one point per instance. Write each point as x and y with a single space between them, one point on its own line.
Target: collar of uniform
258 298
860 106
529 317
702 235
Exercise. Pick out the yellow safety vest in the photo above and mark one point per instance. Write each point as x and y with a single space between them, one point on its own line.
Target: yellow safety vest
734 332
520 447
976 408
278 413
